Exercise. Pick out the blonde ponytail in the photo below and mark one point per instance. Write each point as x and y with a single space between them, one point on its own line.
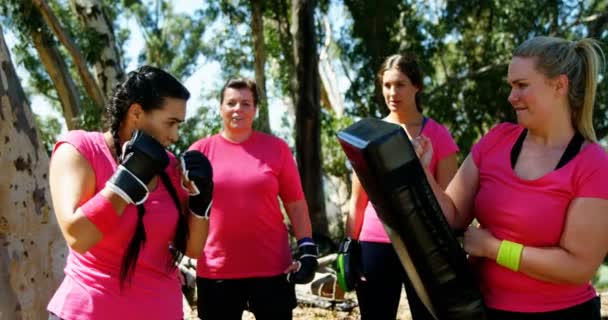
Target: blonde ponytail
592 56
581 62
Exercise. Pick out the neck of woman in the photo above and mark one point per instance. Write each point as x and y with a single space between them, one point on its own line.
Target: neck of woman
236 136
407 118
551 136
555 131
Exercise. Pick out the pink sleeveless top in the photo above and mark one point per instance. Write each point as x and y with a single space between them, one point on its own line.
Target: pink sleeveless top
90 289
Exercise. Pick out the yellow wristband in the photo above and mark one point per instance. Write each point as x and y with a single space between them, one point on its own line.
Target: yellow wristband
509 254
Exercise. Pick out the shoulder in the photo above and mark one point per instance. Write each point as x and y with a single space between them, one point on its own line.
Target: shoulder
78 151
86 143
440 136
203 143
499 133
502 129
594 157
271 140
494 138
78 137
436 131
591 172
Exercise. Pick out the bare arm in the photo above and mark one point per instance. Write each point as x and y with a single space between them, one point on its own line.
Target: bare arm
297 212
581 249
457 200
199 229
446 169
72 183
358 202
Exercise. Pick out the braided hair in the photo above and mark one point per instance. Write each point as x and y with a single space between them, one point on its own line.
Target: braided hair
147 86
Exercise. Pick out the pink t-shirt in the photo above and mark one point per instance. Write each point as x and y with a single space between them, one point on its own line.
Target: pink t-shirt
90 289
533 213
247 235
372 229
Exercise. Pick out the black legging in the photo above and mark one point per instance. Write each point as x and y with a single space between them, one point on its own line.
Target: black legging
379 296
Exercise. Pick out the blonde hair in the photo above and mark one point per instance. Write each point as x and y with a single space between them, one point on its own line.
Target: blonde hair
581 62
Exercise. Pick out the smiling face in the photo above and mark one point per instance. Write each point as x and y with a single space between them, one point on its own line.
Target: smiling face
238 109
398 91
533 95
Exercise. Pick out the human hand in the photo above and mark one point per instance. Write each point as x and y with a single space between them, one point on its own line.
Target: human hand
303 270
424 149
479 242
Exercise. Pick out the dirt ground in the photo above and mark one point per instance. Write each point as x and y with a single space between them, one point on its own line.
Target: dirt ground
403 313
311 313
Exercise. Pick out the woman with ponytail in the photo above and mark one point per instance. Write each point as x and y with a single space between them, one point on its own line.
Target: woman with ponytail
537 189
120 204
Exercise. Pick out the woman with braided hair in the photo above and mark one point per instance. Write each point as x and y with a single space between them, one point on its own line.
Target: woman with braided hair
126 228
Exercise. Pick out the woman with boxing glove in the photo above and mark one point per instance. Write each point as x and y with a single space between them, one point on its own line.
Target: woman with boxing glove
120 204
247 262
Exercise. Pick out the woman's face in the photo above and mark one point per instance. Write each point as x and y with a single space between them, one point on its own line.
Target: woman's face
238 109
398 91
533 95
163 123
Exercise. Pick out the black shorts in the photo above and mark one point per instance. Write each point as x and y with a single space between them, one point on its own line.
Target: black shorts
589 310
266 298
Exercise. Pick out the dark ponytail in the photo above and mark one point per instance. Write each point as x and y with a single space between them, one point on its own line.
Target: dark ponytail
147 86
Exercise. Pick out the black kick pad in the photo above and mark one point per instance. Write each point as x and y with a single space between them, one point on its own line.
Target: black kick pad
389 170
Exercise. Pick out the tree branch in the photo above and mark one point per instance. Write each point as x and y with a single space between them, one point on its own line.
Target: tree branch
88 80
472 74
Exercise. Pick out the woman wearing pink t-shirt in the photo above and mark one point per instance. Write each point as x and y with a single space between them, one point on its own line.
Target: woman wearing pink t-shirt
537 188
247 263
125 227
378 294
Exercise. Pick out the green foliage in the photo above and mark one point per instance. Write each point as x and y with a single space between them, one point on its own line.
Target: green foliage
91 117
334 163
465 48
20 16
49 128
173 41
372 27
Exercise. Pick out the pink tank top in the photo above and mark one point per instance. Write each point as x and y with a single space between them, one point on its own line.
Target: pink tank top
90 289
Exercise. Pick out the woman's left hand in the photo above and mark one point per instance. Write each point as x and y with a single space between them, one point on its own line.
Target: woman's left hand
293 267
480 242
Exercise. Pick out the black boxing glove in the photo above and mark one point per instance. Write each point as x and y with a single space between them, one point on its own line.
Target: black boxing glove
307 262
143 158
197 169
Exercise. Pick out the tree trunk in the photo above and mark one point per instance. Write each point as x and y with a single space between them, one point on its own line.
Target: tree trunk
259 54
87 78
308 119
108 68
330 94
60 76
280 15
32 250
